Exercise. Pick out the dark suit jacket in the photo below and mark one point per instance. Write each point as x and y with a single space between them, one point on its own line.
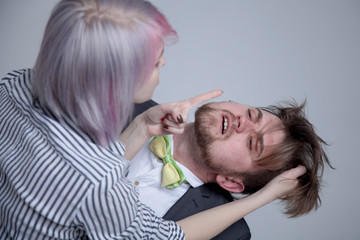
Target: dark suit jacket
202 198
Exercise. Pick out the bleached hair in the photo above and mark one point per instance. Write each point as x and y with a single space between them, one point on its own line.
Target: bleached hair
93 55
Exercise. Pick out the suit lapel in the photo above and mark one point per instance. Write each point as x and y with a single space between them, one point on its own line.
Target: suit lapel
196 200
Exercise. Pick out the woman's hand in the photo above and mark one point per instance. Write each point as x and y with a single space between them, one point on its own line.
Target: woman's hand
170 118
207 224
285 183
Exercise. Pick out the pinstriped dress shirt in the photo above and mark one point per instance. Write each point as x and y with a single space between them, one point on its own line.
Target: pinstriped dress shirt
55 183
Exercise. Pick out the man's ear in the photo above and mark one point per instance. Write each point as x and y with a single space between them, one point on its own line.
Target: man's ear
232 184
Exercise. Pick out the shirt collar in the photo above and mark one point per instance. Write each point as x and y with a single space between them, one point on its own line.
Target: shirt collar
193 180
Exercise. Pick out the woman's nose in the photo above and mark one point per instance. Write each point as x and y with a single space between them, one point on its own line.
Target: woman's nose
163 61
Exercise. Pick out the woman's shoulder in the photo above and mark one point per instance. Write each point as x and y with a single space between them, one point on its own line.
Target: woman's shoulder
16 74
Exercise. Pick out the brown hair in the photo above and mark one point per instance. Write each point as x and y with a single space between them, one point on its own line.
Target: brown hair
301 146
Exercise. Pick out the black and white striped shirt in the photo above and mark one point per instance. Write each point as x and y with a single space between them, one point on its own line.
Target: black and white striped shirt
55 183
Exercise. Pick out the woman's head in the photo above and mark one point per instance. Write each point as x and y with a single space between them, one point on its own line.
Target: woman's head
94 56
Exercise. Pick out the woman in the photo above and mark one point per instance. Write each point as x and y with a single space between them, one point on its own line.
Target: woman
62 164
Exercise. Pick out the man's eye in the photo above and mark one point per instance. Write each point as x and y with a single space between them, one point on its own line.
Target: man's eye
250 143
249 114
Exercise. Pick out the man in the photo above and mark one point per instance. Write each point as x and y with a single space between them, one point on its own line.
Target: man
240 148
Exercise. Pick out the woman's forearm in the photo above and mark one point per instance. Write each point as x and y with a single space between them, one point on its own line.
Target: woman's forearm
209 223
134 137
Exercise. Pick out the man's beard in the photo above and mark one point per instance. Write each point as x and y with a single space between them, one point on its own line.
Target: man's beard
204 122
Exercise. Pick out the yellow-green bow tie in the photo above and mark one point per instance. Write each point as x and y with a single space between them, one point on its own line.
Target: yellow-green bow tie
172 176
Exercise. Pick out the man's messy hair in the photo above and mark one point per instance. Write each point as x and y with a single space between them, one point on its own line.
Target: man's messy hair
301 146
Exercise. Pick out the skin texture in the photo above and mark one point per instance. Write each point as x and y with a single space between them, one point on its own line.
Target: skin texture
250 135
145 91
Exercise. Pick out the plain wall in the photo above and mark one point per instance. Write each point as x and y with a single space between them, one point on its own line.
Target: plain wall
259 52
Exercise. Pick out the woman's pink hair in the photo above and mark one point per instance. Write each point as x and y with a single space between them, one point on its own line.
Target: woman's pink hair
93 55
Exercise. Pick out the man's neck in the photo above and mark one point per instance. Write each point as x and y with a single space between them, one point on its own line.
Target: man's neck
187 152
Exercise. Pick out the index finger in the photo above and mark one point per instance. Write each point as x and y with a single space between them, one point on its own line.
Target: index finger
197 100
295 172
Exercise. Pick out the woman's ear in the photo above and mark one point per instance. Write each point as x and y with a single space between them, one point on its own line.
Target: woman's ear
232 184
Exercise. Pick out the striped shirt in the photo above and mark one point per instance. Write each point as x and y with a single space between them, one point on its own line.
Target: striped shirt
55 183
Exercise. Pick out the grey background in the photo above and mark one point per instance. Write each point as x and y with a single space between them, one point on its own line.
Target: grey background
259 52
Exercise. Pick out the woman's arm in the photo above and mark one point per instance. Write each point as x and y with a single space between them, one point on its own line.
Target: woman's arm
209 223
135 136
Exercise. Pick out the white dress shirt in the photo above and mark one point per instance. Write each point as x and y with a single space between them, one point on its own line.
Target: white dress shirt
145 173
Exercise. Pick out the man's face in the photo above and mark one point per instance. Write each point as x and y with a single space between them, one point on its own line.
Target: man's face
233 136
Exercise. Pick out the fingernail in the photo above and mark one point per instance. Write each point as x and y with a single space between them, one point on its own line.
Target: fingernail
166 126
180 119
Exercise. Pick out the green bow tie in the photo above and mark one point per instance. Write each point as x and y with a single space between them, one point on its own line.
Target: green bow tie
172 176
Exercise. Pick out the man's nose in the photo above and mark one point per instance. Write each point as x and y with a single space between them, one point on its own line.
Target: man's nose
243 124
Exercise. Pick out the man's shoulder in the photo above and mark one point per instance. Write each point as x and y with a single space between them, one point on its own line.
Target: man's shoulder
204 197
213 190
141 107
198 199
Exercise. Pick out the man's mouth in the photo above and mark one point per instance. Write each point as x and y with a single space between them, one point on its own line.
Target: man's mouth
224 125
